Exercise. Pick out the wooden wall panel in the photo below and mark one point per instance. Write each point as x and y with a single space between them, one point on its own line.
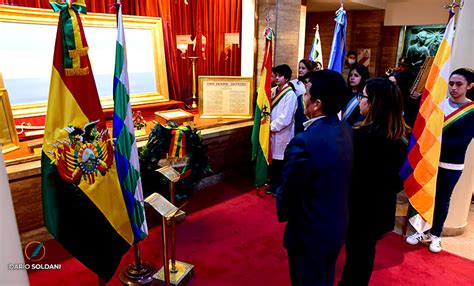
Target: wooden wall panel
364 30
390 36
325 20
27 200
366 33
230 151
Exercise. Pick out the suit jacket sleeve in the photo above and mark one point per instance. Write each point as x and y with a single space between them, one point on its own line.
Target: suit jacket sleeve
294 172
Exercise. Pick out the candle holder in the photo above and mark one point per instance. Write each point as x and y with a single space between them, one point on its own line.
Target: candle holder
193 60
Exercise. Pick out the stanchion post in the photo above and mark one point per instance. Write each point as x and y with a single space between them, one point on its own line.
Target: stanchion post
166 268
173 247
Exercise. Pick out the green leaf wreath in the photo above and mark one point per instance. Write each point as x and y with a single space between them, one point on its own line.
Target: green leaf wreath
157 147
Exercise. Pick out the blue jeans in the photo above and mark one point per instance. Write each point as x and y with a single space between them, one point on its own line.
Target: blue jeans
445 184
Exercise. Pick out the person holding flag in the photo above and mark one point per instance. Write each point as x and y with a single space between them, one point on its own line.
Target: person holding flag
458 131
420 169
83 205
282 124
261 128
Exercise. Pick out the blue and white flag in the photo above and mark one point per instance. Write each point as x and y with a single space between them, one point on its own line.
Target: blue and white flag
126 153
338 47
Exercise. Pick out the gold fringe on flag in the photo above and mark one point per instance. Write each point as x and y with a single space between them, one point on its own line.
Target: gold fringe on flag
78 52
76 71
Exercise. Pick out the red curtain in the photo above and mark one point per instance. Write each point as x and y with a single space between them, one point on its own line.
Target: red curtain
208 18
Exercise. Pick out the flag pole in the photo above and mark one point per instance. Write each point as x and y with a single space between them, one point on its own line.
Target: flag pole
454 4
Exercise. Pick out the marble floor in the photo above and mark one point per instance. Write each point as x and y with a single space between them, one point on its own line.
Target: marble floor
462 245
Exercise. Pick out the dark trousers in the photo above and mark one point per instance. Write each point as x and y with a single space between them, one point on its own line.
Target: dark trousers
445 184
360 257
276 169
312 269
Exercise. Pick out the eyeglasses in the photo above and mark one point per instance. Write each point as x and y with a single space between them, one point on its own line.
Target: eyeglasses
360 96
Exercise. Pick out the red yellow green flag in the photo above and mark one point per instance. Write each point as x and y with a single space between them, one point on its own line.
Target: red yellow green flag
261 128
421 167
83 203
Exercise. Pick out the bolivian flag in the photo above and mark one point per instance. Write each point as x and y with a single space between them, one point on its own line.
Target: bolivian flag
261 127
83 204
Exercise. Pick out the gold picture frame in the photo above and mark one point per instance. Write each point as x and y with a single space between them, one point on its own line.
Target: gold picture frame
8 136
226 97
29 33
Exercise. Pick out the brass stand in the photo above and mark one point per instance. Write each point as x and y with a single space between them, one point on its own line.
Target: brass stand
180 278
178 273
193 64
165 274
138 273
180 215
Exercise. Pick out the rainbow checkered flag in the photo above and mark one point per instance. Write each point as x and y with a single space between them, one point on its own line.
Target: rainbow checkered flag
261 127
421 167
126 154
315 54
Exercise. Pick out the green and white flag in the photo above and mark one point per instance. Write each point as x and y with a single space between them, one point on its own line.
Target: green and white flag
126 153
315 54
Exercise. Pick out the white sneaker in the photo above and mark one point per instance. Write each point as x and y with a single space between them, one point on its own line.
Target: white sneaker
435 245
417 237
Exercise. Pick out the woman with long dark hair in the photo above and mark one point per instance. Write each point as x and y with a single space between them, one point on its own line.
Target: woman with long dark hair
304 68
358 75
380 149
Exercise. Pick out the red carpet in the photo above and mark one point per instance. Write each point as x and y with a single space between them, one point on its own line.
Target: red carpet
232 237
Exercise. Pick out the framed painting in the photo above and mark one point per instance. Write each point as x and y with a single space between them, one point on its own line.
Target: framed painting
8 135
225 97
26 60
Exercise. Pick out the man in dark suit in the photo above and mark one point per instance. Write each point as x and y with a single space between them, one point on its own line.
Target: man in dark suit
312 197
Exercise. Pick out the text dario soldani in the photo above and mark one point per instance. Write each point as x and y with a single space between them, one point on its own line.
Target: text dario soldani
34 252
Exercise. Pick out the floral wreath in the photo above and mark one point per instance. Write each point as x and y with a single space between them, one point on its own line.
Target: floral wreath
179 141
